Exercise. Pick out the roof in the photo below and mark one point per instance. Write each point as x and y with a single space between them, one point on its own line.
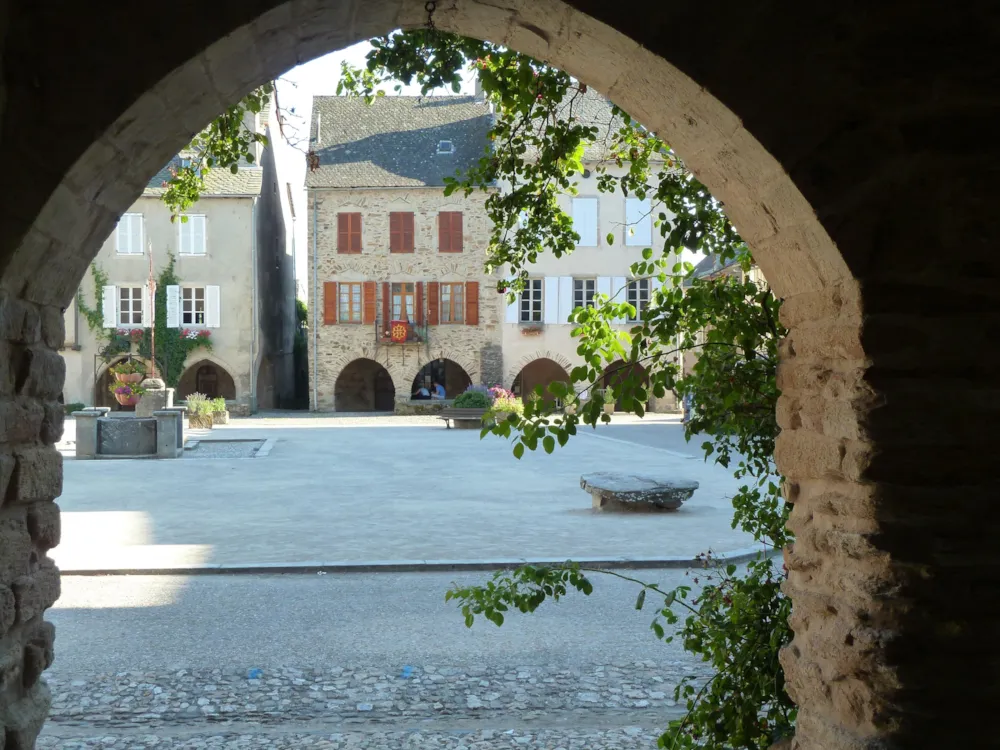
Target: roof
708 267
219 183
393 142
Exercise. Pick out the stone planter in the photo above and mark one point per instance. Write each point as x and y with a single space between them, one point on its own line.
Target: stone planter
609 408
202 421
220 417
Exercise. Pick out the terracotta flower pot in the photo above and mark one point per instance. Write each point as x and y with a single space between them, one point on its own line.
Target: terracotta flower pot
126 400
128 377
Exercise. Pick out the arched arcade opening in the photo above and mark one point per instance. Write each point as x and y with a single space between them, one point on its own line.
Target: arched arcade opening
364 385
615 376
206 377
541 372
448 373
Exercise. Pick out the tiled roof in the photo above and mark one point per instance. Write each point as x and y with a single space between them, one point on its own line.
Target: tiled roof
218 182
393 142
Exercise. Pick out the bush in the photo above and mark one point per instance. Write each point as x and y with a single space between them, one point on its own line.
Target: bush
198 403
473 400
75 406
218 404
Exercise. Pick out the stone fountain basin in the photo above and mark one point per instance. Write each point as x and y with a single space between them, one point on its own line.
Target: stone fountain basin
126 436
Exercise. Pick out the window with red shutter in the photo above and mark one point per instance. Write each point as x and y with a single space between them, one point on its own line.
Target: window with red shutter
472 303
400 232
329 302
348 232
433 302
369 293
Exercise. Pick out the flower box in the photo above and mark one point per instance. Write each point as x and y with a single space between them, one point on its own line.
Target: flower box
201 421
532 330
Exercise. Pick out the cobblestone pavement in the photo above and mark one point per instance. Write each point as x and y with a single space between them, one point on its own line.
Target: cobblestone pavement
601 707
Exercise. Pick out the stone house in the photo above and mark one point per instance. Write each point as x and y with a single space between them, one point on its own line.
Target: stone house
398 297
537 346
235 287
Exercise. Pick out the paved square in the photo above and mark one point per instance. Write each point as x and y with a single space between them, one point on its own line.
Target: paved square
361 489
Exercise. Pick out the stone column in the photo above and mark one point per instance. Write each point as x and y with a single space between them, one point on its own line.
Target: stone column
86 433
156 397
168 429
31 421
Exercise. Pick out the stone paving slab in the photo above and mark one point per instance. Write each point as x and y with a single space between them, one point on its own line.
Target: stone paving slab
381 488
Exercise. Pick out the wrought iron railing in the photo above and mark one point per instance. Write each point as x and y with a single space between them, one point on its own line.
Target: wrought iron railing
400 332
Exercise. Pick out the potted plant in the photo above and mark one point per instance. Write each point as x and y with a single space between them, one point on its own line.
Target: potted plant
199 411
128 371
504 404
220 415
126 394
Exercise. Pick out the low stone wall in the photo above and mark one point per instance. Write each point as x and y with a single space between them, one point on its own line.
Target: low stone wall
422 406
238 408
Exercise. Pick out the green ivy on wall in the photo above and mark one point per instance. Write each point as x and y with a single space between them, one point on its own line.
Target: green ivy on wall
172 346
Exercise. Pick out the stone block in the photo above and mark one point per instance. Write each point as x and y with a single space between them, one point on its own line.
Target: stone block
16 549
8 609
19 320
168 425
33 594
86 433
618 491
44 525
21 420
53 326
134 436
7 463
53 422
46 374
37 475
23 719
10 355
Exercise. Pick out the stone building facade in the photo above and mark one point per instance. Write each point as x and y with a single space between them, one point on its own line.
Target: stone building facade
388 249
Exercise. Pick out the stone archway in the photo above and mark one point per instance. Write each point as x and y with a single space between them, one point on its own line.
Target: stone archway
364 385
208 377
447 372
785 114
539 373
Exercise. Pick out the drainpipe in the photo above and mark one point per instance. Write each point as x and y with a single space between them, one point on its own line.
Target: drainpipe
315 326
253 306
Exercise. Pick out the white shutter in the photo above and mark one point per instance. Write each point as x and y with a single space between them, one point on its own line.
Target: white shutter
183 238
136 229
122 235
513 310
198 235
565 298
213 305
147 307
619 293
109 306
173 306
603 285
639 221
585 221
550 299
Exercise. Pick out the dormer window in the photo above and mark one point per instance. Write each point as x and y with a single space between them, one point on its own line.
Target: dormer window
446 147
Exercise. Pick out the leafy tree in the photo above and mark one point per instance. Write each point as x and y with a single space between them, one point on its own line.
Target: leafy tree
737 622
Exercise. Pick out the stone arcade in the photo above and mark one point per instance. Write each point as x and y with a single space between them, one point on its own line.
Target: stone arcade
853 147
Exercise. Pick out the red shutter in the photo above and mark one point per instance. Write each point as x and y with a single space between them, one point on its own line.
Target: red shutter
456 232
418 303
407 231
433 302
329 302
472 303
395 232
386 305
355 233
444 231
368 294
343 233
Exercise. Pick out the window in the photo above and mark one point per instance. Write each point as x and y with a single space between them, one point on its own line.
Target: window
585 221
450 231
531 301
401 232
638 296
350 302
130 305
128 235
639 223
452 303
446 147
193 305
402 302
348 232
192 235
583 292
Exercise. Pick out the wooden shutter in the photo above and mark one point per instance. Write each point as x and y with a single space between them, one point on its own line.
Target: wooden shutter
386 305
369 292
355 232
329 303
395 232
456 232
343 233
433 302
408 232
472 303
418 303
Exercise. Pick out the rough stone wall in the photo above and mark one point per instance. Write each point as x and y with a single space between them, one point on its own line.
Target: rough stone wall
339 344
491 365
31 420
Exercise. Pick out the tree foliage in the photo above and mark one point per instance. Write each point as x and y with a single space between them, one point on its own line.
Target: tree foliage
539 144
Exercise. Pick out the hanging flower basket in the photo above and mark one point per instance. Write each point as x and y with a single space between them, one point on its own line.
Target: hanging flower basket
126 394
128 377
126 400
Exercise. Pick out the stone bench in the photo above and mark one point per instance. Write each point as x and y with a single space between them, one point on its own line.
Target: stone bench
618 491
465 419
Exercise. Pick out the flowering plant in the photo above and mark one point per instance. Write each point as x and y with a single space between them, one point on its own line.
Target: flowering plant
126 390
195 333
129 367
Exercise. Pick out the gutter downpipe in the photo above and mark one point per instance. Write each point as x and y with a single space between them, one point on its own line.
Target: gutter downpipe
253 315
315 304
